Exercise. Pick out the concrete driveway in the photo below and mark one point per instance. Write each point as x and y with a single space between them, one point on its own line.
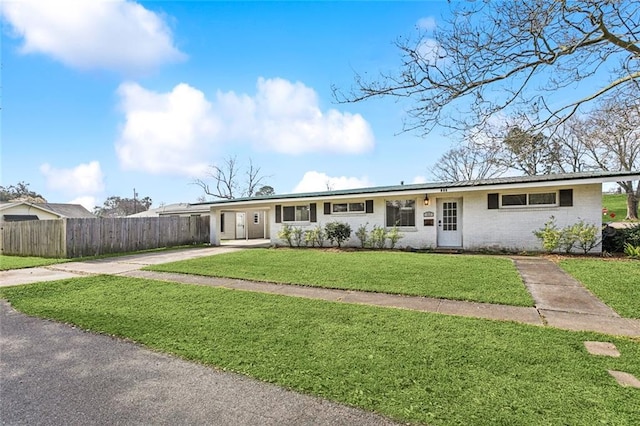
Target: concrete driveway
109 265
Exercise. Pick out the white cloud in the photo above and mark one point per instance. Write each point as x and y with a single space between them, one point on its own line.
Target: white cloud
286 117
118 35
176 132
79 181
419 179
166 133
427 24
314 181
88 202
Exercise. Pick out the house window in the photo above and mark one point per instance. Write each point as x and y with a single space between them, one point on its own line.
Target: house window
534 199
514 200
543 198
347 207
401 213
295 213
256 218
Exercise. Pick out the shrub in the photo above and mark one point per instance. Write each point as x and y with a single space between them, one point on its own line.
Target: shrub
298 236
394 236
614 240
338 232
286 233
587 235
310 238
549 234
568 238
378 237
319 235
362 234
632 251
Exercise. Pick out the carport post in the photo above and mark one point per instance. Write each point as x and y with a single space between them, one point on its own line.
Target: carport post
214 239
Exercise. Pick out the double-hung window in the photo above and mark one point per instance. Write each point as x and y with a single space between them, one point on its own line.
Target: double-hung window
401 213
295 213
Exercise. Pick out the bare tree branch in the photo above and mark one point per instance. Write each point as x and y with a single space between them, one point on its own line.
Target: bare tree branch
226 180
494 58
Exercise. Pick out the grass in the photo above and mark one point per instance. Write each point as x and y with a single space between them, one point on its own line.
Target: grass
411 366
487 279
20 262
616 203
616 283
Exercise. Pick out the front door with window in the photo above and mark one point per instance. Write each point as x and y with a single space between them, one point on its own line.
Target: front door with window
240 230
450 222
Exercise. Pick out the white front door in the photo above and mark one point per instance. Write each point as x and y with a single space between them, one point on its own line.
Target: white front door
240 231
450 222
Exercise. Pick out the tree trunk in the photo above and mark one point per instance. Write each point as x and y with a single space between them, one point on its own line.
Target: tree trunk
632 202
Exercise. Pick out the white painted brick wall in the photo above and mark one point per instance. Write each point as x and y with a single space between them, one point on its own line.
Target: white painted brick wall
482 228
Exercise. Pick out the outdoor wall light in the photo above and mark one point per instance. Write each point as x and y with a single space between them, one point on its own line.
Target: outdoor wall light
426 199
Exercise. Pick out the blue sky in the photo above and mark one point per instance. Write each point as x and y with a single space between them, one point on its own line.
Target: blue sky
99 98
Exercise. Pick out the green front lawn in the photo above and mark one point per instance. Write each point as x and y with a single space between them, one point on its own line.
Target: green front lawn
616 283
19 262
463 277
412 366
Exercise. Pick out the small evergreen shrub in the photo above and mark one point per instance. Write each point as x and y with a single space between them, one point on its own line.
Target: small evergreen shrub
338 232
363 235
378 237
286 234
298 236
587 235
549 235
394 236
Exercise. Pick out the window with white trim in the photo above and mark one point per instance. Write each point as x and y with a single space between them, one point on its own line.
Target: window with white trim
401 213
295 213
347 207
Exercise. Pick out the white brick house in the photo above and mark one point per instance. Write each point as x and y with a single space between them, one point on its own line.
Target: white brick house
484 214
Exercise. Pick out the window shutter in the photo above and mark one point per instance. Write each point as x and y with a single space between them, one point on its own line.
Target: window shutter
312 213
368 206
278 213
566 197
492 201
327 208
221 222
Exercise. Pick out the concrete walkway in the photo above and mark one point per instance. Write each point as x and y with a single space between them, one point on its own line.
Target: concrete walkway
563 302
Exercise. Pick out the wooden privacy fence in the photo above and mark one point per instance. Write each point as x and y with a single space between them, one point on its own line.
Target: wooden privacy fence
71 238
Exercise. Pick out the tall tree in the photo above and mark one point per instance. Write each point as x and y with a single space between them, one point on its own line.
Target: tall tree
115 206
468 160
265 190
528 152
20 192
611 135
230 181
492 58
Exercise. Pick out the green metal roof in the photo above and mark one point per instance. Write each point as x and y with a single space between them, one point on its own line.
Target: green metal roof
512 180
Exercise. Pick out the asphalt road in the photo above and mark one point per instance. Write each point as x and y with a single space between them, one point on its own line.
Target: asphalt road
55 374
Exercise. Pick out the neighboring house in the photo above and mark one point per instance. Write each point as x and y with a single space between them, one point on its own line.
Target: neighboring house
483 214
178 209
14 211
